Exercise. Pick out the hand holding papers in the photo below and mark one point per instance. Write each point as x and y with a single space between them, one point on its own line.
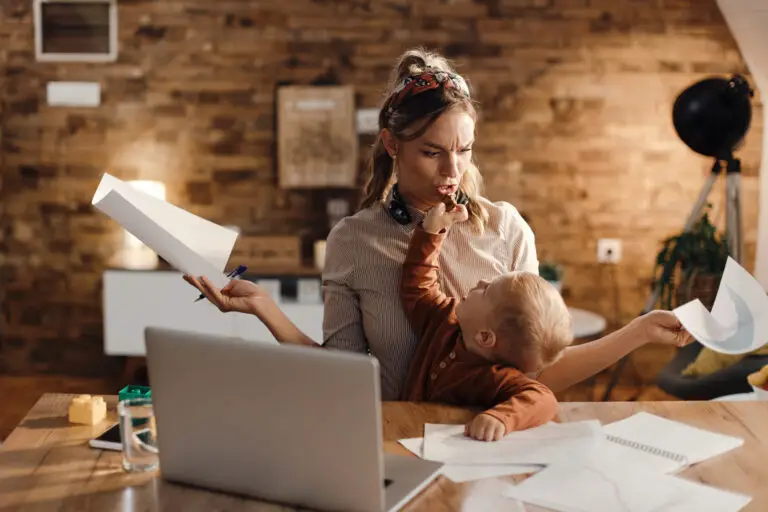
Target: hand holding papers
738 322
190 243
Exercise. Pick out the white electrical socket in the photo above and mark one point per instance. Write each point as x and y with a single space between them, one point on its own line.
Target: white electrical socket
609 250
367 120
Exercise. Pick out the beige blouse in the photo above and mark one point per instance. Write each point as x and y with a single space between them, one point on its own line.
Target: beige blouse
361 278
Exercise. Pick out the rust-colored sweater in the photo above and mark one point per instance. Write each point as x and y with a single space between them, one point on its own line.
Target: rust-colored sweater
443 370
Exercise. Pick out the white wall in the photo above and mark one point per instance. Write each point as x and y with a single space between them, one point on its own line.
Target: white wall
748 22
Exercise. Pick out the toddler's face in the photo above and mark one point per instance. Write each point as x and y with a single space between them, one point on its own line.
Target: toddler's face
511 293
484 298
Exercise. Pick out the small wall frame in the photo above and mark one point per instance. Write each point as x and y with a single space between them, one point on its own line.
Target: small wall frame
75 30
316 137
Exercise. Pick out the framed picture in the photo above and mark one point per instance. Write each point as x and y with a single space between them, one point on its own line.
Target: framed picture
75 30
316 137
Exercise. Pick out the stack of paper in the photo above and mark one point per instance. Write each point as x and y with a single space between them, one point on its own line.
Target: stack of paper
661 438
520 452
467 472
541 445
622 466
190 243
608 486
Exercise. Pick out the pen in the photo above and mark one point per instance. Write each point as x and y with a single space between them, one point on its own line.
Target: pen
232 275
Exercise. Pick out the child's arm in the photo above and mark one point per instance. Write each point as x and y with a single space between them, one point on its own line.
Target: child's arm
420 292
522 403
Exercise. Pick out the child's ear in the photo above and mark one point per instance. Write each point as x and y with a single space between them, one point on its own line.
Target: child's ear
485 338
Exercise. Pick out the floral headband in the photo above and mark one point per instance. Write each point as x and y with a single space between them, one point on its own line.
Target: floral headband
426 81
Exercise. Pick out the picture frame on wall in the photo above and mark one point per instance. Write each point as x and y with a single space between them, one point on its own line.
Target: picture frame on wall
316 137
75 30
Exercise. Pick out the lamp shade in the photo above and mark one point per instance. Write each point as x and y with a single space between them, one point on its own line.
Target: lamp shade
713 115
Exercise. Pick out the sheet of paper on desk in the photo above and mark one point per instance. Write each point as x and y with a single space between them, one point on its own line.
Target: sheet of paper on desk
134 211
546 444
738 322
605 486
468 472
668 436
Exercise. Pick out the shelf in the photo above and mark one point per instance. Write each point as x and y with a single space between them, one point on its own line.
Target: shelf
252 273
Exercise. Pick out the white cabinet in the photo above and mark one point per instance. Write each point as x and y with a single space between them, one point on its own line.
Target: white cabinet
135 299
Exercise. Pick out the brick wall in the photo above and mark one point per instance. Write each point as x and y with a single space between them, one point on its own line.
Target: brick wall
576 131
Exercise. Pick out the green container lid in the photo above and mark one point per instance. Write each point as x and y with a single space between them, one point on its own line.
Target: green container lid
131 391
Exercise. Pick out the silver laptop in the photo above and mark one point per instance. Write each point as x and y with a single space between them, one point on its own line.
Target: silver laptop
293 425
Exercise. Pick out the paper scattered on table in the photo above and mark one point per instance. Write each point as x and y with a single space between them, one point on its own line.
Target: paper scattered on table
546 444
672 437
468 472
488 495
738 322
607 486
620 467
191 244
636 457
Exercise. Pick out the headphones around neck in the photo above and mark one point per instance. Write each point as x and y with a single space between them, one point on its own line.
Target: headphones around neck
398 209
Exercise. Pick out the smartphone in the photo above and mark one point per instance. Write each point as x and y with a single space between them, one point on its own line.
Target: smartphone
109 440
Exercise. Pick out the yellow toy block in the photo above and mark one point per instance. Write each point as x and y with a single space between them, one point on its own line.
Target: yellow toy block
87 409
759 379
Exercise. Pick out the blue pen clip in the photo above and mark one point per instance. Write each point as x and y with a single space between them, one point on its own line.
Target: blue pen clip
240 270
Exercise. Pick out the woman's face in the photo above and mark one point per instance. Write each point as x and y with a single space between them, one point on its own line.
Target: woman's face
432 165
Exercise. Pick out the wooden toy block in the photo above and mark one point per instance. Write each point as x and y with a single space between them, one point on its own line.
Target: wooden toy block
87 409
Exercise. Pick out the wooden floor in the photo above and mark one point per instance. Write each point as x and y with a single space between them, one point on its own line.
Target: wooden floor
19 394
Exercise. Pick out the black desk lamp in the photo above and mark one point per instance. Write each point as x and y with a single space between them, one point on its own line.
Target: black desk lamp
711 117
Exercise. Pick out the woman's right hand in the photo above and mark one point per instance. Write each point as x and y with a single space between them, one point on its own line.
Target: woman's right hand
237 295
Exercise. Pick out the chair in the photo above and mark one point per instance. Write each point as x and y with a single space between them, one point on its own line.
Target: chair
728 381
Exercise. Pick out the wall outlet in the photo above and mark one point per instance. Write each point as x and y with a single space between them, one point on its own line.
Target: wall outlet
73 94
609 250
367 120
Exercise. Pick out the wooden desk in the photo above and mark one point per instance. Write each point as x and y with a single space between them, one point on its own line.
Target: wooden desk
45 464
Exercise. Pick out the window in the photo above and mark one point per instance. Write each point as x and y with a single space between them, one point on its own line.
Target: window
75 30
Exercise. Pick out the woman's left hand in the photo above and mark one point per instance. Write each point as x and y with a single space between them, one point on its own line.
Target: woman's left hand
663 327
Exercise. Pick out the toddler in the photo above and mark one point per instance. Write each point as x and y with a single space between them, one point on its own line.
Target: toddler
477 351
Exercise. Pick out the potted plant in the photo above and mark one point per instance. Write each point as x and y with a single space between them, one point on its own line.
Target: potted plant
690 265
552 272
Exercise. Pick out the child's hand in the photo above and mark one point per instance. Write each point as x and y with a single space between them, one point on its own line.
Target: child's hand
438 219
662 327
485 428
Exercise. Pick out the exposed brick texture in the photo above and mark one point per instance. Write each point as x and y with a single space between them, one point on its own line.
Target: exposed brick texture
576 131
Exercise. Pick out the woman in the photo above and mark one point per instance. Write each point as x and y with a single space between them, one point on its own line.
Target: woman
424 153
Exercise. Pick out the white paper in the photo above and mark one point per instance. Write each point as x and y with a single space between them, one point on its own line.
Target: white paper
625 455
605 486
546 444
488 496
693 443
206 238
738 322
189 243
468 472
